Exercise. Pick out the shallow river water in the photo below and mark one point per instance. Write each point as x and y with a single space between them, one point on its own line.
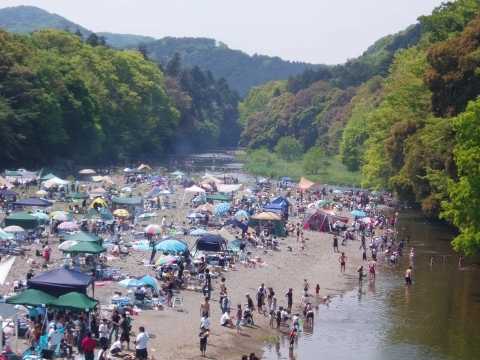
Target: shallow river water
437 317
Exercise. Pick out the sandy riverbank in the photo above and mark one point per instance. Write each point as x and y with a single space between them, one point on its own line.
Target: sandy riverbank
177 332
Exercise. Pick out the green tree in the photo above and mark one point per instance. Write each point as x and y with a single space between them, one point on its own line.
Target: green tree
463 208
313 160
289 149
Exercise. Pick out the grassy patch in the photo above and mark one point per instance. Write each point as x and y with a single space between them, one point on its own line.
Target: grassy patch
333 171
270 338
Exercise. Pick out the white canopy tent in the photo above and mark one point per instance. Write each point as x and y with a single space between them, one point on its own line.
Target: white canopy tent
228 188
192 189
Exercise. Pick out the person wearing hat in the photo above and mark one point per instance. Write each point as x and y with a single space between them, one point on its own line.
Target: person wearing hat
53 337
103 330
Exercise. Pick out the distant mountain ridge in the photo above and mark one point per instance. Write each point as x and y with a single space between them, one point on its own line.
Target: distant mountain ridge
27 19
241 70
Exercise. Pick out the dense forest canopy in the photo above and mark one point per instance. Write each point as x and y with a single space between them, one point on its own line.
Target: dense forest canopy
62 98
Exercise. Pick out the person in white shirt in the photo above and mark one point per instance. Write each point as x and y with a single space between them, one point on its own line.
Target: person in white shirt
141 344
226 319
205 322
103 331
53 338
164 221
117 346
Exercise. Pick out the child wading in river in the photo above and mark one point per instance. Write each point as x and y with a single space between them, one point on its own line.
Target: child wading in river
271 317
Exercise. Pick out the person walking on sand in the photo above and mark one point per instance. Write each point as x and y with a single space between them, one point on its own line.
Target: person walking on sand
205 307
238 318
342 260
317 290
335 243
408 275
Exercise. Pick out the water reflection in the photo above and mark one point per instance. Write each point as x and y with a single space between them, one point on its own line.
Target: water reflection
436 317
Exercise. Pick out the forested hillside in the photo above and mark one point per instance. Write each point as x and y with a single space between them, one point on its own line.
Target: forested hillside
61 98
27 19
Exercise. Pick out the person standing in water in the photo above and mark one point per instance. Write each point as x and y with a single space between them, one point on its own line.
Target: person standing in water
445 257
461 260
408 275
342 259
372 266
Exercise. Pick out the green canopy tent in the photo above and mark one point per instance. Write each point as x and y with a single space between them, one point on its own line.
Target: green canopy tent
279 226
219 197
31 297
74 301
127 200
78 195
83 237
21 219
85 248
104 213
47 177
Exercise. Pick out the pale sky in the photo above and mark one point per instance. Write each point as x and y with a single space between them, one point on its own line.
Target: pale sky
315 31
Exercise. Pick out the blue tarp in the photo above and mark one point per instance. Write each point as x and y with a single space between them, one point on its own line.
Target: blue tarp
237 223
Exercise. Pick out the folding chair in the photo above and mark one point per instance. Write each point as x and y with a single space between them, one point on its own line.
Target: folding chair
178 304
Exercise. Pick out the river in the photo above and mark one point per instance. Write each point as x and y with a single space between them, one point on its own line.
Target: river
435 318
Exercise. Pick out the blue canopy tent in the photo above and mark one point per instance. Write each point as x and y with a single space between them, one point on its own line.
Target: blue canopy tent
237 223
61 281
274 207
33 201
286 179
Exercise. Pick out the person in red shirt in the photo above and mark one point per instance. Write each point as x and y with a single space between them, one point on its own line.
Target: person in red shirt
88 345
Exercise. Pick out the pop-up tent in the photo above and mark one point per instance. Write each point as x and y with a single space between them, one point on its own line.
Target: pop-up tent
281 201
74 301
61 281
24 220
319 220
210 243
